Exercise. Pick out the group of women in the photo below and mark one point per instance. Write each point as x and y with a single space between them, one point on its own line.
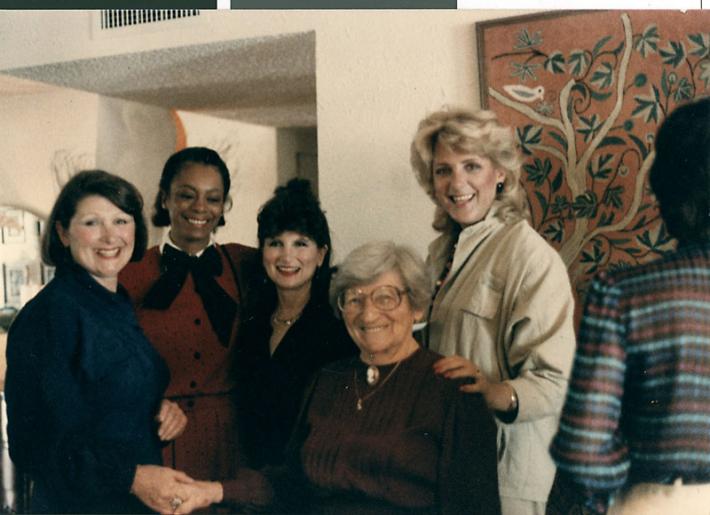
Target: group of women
194 375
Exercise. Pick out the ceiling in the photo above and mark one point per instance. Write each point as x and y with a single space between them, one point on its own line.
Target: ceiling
267 81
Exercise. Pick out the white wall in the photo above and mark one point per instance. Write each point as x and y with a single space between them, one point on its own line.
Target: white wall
134 140
41 133
378 73
250 154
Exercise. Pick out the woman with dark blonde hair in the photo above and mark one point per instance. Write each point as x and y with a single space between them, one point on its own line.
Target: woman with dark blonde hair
502 307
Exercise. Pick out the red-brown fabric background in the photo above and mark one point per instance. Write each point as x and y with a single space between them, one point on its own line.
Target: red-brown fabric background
586 92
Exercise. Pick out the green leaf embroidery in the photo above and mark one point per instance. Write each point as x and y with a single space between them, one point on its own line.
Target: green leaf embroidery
527 40
603 76
555 231
543 203
560 204
524 71
705 73
558 138
600 44
578 62
684 90
673 54
599 168
538 171
699 44
529 136
590 126
557 182
612 197
647 106
648 41
585 205
612 140
606 219
555 62
640 144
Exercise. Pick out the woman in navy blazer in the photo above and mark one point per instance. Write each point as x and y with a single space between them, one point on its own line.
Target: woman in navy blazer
84 387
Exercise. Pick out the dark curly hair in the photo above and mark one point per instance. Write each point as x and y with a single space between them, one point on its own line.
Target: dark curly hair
294 207
680 174
84 184
174 165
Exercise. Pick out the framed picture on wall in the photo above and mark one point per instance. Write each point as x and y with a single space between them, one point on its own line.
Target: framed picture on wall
13 225
16 276
584 93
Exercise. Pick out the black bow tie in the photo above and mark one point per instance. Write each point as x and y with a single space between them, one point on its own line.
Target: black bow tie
175 264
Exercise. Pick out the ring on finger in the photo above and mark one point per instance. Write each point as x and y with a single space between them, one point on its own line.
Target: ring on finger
175 503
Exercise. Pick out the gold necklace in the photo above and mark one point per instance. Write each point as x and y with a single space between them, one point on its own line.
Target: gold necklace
287 322
362 399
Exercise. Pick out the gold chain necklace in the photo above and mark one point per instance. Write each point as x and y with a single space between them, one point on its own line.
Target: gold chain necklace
287 322
362 399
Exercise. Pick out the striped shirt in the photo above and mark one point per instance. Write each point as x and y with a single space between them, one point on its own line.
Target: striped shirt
638 404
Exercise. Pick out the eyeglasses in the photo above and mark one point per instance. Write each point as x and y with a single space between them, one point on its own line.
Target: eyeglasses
385 298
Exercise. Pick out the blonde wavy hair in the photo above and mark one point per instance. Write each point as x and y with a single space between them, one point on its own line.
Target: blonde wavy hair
470 132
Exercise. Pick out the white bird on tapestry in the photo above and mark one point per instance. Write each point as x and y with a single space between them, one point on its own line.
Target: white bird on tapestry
524 93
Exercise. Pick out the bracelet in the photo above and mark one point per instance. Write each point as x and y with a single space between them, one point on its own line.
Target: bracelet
513 401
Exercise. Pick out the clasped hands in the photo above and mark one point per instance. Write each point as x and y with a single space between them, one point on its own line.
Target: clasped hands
169 491
166 490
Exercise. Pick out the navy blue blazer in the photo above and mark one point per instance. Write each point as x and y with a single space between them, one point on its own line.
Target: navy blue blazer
83 386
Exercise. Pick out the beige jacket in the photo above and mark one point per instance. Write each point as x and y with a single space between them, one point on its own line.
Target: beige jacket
507 306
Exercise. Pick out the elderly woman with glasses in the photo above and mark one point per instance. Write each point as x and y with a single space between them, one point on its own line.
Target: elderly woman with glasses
379 433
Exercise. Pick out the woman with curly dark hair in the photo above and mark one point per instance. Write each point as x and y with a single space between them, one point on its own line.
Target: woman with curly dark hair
290 330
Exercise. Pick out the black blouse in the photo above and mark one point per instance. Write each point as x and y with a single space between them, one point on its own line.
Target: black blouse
270 388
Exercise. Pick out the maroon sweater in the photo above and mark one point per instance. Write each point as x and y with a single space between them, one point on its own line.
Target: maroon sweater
417 445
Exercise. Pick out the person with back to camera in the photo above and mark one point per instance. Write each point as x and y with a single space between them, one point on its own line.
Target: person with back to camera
380 433
84 386
290 330
187 292
502 310
635 429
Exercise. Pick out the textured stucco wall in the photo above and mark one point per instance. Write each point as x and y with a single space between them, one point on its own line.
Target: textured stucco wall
378 73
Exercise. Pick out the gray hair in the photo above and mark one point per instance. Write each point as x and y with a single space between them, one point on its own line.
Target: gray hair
470 132
367 262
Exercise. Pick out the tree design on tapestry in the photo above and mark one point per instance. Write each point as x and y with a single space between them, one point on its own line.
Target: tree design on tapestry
586 119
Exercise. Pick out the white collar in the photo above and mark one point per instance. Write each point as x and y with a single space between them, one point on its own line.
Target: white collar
166 240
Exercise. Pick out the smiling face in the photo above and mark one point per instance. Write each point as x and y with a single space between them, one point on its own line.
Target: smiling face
195 204
383 336
290 260
464 184
100 238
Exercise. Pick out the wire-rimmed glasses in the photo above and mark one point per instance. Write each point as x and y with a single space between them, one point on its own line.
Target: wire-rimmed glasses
385 298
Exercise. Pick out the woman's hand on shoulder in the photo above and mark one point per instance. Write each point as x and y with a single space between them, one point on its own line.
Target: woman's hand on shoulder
171 421
497 395
454 367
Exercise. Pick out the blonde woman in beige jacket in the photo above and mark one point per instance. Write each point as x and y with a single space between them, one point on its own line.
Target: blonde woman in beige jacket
502 311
